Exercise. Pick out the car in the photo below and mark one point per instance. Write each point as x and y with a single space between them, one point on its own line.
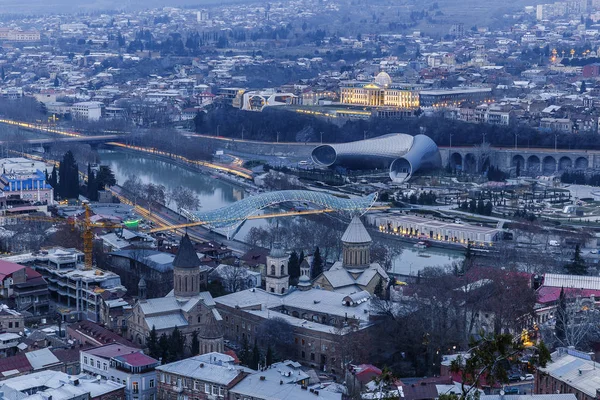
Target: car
527 377
514 377
511 390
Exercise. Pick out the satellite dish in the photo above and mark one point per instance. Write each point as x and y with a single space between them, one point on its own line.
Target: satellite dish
98 377
502 393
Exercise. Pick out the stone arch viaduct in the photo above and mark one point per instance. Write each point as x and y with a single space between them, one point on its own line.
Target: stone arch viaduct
529 160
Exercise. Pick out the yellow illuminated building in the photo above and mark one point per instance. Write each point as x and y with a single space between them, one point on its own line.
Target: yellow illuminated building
380 93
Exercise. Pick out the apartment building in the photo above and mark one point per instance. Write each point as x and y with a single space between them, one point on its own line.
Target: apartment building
124 365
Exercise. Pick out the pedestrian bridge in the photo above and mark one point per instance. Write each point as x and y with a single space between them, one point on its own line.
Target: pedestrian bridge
231 217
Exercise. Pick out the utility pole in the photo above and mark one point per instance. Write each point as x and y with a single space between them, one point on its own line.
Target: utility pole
516 136
555 142
321 137
452 134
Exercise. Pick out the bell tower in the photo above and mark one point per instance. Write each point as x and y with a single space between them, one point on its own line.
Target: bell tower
277 280
186 270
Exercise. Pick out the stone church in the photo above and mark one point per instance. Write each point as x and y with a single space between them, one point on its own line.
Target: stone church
355 272
185 307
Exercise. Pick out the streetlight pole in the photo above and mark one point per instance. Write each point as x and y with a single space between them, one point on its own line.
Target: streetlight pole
277 136
452 134
218 126
555 142
364 135
516 136
321 137
484 134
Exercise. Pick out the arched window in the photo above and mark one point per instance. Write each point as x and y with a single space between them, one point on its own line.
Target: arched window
199 317
272 270
282 269
186 284
282 290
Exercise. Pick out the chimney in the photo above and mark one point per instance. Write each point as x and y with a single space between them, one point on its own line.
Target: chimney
262 378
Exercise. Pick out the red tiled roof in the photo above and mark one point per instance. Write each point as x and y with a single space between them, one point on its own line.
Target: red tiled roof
7 268
18 362
112 350
367 373
231 353
548 295
31 273
138 359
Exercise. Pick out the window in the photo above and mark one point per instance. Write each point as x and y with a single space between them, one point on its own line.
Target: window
98 364
151 383
272 270
135 387
221 392
303 355
312 356
16 324
10 324
206 388
168 379
196 385
112 378
85 360
215 390
105 367
199 317
162 378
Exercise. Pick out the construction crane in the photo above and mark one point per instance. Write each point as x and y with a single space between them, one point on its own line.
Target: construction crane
86 225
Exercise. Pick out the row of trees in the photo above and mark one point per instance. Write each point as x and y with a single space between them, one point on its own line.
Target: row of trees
152 194
580 178
316 268
295 127
477 207
171 347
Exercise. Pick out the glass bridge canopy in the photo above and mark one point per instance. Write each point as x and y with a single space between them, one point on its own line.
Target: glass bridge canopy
232 216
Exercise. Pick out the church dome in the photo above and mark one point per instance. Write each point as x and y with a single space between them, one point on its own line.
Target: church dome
356 233
277 251
383 79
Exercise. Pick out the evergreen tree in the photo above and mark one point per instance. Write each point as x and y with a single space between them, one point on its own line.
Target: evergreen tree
176 344
468 261
294 268
269 357
255 357
163 349
317 265
378 291
245 354
92 185
68 174
53 178
56 82
152 343
560 327
577 266
488 208
582 88
301 257
105 177
480 207
195 345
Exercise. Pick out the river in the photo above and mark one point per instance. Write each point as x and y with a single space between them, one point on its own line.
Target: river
214 193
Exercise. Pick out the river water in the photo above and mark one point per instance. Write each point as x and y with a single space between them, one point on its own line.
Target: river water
214 193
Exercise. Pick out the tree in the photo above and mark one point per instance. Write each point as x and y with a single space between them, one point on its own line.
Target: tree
195 345
56 82
378 291
561 317
68 174
92 184
277 334
317 264
582 88
163 349
577 265
152 343
176 345
269 356
245 354
105 177
255 357
488 359
184 198
294 268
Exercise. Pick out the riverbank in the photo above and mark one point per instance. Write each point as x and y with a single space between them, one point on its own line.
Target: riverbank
189 165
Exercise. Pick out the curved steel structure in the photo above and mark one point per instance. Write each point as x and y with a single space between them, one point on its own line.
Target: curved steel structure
232 216
403 154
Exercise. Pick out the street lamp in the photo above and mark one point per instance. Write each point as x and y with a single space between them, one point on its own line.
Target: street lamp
516 136
321 137
555 141
218 126
452 134
484 134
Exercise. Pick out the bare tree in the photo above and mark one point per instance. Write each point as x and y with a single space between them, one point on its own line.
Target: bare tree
184 198
232 278
279 335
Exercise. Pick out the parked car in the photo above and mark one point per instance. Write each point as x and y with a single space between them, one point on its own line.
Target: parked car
514 377
511 390
527 377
